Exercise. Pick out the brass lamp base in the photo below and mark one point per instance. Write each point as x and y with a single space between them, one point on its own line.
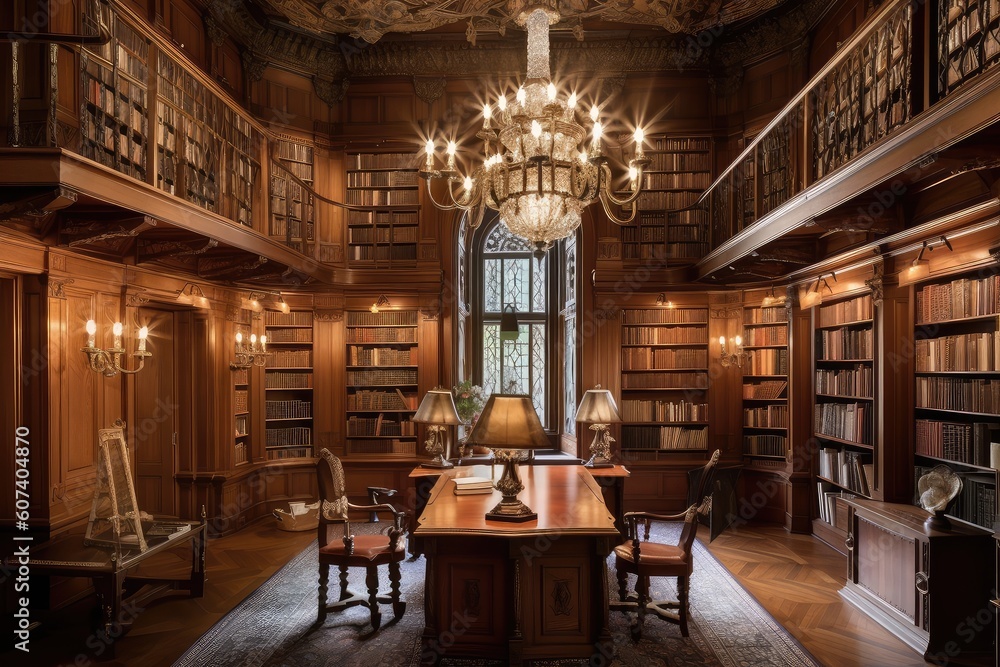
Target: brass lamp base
437 462
510 508
600 448
598 462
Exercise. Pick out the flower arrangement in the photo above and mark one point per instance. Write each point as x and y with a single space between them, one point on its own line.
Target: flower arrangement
469 401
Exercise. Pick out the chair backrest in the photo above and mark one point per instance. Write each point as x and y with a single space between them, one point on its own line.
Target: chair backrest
690 529
703 478
332 489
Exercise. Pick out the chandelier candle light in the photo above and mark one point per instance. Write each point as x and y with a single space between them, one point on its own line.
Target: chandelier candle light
542 166
108 362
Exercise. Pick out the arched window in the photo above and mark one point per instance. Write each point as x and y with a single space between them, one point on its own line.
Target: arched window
505 273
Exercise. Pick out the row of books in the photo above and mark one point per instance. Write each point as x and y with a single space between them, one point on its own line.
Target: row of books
658 201
240 400
837 344
658 250
644 358
404 334
383 197
675 180
962 394
379 356
466 486
776 335
375 218
297 452
290 359
665 381
304 172
967 352
402 376
679 162
282 380
690 233
289 335
852 310
664 437
765 445
238 131
288 150
241 425
291 435
398 251
961 442
291 230
769 389
381 179
386 160
664 335
769 362
963 297
383 446
382 234
678 144
856 381
369 426
977 501
689 217
666 316
831 509
845 421
637 410
766 416
241 453
293 409
848 469
367 399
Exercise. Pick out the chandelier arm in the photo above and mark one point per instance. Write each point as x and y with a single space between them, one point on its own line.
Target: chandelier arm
610 213
606 190
455 203
441 205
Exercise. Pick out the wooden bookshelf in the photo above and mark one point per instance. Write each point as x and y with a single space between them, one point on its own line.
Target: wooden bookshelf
957 355
288 383
968 41
292 219
242 448
844 407
679 171
386 232
765 386
113 116
664 382
381 379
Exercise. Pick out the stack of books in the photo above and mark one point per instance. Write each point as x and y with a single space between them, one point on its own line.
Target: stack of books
467 486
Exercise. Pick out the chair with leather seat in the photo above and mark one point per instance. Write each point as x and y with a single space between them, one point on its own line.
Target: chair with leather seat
367 551
645 559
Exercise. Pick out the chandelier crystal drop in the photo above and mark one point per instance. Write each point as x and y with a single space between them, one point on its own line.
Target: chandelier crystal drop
542 167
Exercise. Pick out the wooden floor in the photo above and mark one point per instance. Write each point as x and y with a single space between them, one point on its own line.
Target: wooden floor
796 578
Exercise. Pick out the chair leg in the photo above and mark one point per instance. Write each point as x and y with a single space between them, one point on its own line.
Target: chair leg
372 581
398 606
622 584
642 591
682 599
324 578
344 593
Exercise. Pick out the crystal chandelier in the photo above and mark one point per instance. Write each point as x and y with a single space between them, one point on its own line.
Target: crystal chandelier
542 167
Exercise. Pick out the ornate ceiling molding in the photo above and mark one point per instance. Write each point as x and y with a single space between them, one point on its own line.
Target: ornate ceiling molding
770 34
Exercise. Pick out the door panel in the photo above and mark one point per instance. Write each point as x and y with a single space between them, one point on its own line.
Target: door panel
156 412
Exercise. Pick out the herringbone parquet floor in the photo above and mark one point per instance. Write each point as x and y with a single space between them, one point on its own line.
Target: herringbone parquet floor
795 577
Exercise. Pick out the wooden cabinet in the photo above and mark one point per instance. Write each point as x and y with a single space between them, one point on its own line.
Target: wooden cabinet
931 588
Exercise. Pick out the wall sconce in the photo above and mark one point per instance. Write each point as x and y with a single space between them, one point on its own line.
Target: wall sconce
254 354
735 358
661 301
814 296
281 305
252 302
772 300
108 362
920 268
192 295
509 329
380 303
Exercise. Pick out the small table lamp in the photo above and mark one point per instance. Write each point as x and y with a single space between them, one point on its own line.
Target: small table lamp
599 410
508 424
437 410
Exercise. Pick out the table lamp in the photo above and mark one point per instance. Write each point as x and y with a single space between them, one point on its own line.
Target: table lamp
437 410
507 425
598 409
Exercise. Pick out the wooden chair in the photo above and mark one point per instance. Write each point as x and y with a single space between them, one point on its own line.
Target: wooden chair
367 551
647 559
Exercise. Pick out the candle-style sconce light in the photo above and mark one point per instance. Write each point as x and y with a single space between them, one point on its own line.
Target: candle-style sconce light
108 361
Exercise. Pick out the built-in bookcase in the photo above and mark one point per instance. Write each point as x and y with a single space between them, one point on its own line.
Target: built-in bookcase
292 213
968 40
113 116
664 382
242 449
382 378
679 171
844 401
957 384
765 386
386 231
288 384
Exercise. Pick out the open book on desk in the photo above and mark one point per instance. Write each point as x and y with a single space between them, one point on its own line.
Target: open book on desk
168 529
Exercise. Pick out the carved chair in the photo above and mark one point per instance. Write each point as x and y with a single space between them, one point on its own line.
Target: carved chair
367 551
647 559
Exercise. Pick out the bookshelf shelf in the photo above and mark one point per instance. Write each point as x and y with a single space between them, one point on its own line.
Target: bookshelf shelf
957 353
843 441
381 381
386 231
765 383
292 220
288 380
242 447
664 350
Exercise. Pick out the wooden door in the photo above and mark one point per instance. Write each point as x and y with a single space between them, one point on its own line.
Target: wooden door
157 405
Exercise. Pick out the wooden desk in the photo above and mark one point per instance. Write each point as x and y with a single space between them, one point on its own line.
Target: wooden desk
118 578
522 591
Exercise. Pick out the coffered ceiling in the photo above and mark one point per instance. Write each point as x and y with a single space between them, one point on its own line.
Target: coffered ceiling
370 20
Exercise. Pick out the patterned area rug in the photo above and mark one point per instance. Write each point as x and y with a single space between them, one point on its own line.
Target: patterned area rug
274 625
